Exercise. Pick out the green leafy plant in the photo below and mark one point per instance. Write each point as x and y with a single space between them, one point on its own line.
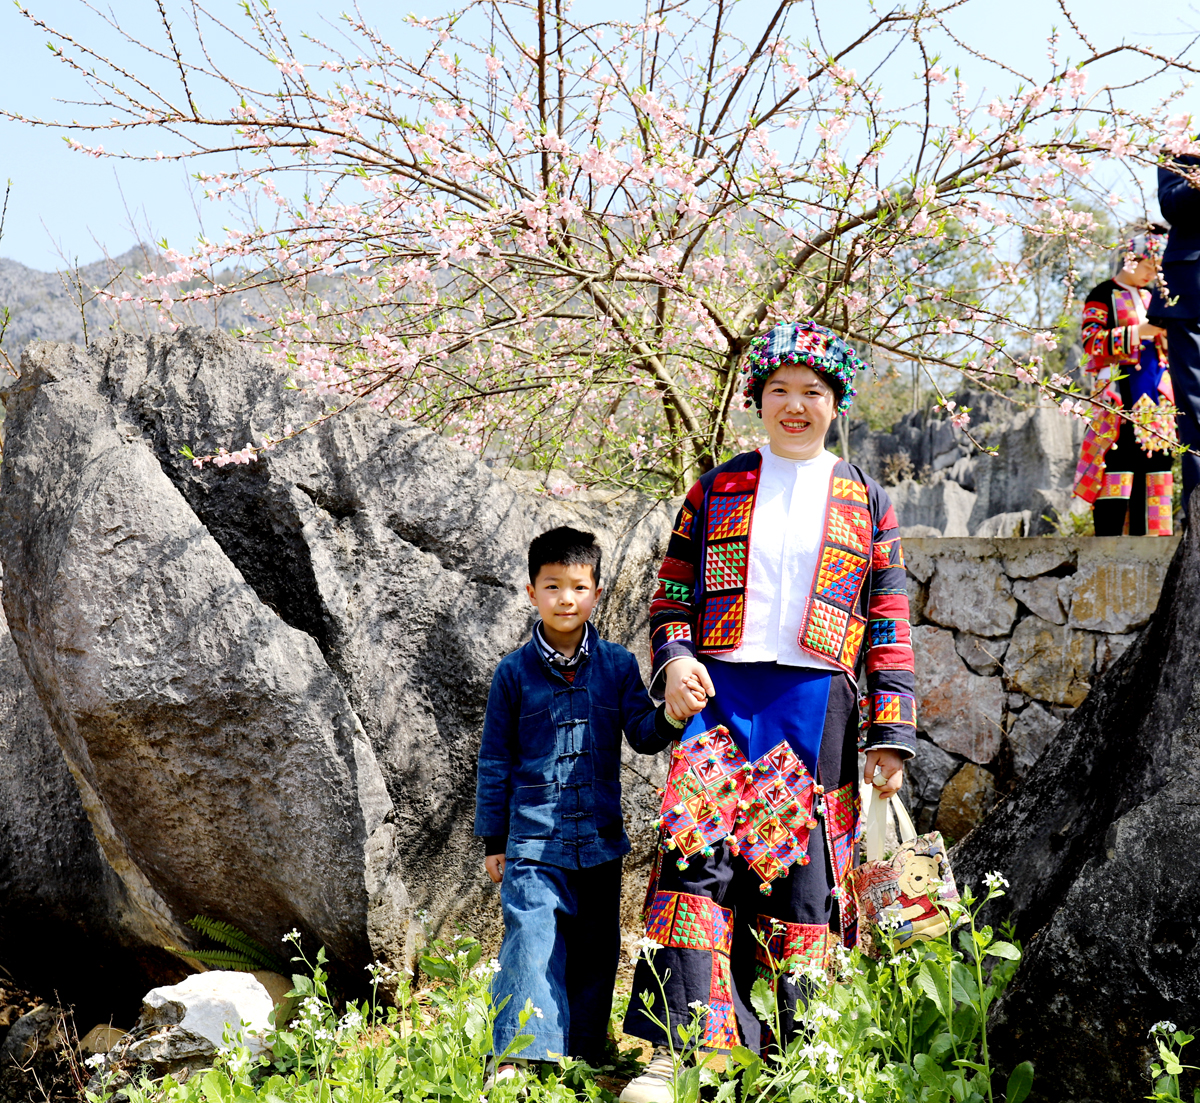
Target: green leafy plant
241 954
1169 1068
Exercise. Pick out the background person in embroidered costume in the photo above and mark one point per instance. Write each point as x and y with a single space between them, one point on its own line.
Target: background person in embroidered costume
1124 470
783 563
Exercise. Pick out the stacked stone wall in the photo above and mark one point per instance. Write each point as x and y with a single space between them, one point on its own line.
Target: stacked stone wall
1009 635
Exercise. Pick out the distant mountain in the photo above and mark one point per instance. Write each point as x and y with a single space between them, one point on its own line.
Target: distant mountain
46 305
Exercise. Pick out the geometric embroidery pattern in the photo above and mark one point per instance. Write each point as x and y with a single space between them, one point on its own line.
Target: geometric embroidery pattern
761 810
825 629
678 631
893 708
840 575
729 515
722 619
686 522
1116 484
685 922
849 490
1159 489
725 566
841 828
1099 438
677 591
852 642
849 525
882 631
790 945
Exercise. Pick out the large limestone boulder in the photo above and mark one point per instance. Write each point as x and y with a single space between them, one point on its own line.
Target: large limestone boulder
59 898
1032 470
1099 844
268 680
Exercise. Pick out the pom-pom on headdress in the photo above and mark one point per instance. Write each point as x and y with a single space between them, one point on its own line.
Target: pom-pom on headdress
808 345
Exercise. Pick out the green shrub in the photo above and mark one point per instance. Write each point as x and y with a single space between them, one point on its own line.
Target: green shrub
911 1028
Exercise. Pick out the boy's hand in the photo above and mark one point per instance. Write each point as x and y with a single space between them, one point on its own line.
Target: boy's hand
892 767
688 688
494 864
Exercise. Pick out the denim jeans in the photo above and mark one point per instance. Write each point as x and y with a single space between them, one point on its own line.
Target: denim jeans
562 939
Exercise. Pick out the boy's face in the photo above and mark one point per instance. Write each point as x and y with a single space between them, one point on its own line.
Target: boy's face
564 596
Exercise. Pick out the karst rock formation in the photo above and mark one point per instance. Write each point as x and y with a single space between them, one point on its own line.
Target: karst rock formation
255 693
1101 844
261 686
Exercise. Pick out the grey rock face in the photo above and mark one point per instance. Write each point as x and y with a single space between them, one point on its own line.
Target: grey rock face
970 593
1017 523
1030 736
960 711
1050 662
269 679
1032 471
1041 597
943 506
1099 846
59 898
925 776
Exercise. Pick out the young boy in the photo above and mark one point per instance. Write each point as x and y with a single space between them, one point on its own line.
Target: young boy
548 805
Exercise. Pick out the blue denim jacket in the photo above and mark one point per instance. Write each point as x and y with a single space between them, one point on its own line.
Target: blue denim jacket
550 759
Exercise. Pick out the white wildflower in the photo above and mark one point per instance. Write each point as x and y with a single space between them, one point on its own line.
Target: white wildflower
96 1060
1165 1026
538 1012
818 1010
995 881
352 1020
312 1007
644 947
699 1007
292 936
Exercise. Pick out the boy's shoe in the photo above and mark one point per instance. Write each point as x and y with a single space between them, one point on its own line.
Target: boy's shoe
511 1070
656 1084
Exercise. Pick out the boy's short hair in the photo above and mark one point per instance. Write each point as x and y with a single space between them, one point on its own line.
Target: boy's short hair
567 546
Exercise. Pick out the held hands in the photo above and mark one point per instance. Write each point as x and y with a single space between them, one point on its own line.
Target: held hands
688 688
494 864
1146 330
891 765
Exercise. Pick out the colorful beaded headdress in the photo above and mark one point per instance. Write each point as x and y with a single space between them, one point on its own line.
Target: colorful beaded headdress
1148 244
808 345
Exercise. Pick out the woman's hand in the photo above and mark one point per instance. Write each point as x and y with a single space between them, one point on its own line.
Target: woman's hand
688 688
892 766
1146 330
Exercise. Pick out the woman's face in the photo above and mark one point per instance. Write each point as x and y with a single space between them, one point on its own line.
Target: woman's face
797 410
1142 274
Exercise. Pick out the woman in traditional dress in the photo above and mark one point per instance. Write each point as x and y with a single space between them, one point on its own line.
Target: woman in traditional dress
784 564
1124 470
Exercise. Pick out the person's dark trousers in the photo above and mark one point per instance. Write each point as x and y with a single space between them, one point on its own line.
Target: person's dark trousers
562 943
712 912
717 931
1183 350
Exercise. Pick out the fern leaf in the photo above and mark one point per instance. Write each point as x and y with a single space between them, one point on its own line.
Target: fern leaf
220 959
239 942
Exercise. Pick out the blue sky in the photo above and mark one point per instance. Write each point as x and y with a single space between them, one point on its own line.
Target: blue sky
65 204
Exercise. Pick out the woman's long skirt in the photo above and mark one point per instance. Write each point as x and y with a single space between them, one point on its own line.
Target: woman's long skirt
706 916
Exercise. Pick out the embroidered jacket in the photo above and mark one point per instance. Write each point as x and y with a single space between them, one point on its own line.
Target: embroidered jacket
859 593
1112 347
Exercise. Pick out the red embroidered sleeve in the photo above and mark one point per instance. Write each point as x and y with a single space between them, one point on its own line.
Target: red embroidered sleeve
891 689
673 608
1103 343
